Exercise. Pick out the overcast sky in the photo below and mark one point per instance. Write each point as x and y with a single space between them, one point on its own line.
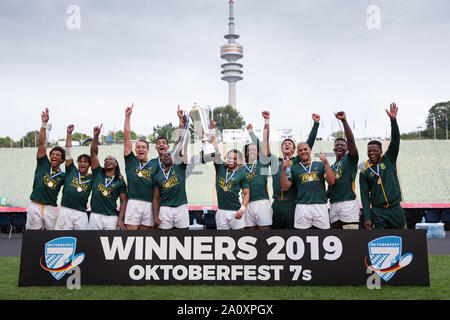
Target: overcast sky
300 57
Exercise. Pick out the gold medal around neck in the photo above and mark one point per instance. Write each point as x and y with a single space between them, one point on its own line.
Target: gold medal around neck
50 184
310 178
225 189
105 193
337 176
379 181
166 185
79 189
140 174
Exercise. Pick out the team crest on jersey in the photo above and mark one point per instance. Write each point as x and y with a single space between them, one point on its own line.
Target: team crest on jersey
385 256
59 256
383 166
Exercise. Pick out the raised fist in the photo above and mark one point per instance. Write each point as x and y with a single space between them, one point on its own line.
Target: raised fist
315 117
70 128
340 115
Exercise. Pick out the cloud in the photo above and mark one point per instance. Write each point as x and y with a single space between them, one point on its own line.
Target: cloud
299 57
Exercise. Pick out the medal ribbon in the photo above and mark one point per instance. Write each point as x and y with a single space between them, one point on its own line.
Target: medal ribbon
248 169
226 176
79 179
338 166
310 167
382 188
55 175
110 181
168 174
378 169
160 166
142 167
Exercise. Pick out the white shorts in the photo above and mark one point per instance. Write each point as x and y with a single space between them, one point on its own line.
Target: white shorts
308 215
225 220
174 217
71 219
138 213
98 221
41 216
258 213
345 211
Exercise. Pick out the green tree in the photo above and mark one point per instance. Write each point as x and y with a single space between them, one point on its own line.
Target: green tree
439 111
227 118
31 139
5 142
77 136
338 134
167 130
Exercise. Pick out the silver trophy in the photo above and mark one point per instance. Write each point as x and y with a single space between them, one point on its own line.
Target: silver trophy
201 120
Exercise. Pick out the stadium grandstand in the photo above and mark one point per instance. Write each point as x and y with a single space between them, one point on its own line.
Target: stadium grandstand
423 169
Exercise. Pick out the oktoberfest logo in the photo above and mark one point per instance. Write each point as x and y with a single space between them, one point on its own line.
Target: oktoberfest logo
59 256
385 256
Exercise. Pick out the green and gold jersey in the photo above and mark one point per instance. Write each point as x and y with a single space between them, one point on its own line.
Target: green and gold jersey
47 182
257 174
228 185
105 192
345 173
76 189
310 182
172 185
278 193
277 166
379 185
140 177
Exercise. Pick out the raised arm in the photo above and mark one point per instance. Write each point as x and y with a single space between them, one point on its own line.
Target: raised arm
69 158
265 144
212 125
351 145
94 148
329 175
42 147
181 154
313 133
127 144
394 145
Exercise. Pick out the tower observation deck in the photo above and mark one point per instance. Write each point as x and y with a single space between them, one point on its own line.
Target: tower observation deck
231 52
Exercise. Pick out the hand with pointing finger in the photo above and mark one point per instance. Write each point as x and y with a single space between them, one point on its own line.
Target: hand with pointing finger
97 130
129 110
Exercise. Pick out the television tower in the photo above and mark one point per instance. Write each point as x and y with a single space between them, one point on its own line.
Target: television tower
231 52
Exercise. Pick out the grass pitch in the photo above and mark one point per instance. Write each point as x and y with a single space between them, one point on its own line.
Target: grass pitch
439 267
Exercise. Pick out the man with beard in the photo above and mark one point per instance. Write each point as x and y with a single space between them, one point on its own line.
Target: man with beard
77 187
311 209
344 208
48 180
230 180
108 185
379 183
